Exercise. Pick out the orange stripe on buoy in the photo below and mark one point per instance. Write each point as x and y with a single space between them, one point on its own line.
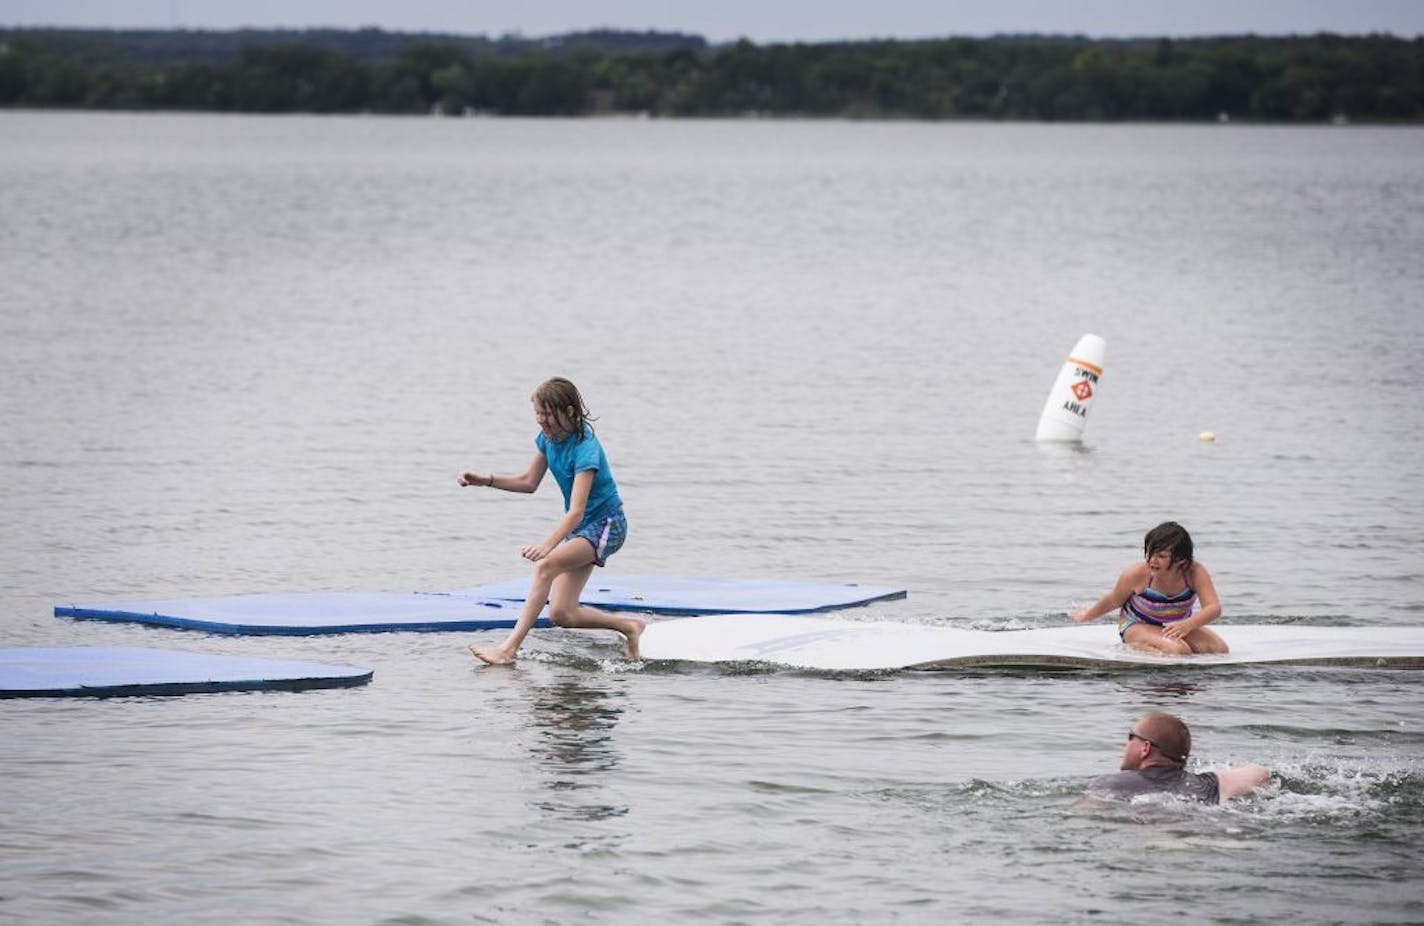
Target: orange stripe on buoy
1086 365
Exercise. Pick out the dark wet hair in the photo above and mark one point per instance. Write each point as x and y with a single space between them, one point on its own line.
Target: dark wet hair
1169 537
1170 735
559 395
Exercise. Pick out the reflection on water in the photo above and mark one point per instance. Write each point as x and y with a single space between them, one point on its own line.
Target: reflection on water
575 723
1149 689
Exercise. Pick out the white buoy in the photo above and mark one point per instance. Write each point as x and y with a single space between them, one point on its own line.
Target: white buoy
1065 414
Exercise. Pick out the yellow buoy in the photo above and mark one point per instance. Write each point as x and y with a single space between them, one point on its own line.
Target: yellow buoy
1206 436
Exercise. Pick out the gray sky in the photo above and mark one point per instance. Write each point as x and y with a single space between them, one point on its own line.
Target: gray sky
759 20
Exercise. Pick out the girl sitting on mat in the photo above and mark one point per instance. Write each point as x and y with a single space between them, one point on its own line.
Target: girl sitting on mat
592 529
1155 598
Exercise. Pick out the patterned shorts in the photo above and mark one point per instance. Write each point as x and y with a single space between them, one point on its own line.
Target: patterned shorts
605 534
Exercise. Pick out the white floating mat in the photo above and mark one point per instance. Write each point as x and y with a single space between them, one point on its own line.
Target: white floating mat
110 671
668 595
838 644
308 613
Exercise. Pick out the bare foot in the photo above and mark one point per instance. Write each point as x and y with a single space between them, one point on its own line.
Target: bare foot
639 625
493 656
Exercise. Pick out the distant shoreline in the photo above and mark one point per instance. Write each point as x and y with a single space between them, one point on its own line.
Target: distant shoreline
1320 79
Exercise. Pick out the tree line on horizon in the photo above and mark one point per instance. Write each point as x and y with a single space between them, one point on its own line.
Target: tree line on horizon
1374 78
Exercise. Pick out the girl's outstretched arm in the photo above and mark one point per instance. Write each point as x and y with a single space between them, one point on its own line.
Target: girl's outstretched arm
525 482
1115 598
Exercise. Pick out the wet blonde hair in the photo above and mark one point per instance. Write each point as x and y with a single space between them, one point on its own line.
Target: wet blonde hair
560 396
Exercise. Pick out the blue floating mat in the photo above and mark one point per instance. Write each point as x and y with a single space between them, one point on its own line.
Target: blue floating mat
485 607
308 613
113 671
664 595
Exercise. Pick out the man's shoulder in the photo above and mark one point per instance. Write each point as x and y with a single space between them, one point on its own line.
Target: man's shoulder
1157 780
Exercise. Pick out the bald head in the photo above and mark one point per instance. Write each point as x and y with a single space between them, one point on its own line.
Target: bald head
1170 736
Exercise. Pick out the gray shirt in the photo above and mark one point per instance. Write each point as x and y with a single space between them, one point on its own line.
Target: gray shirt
1124 786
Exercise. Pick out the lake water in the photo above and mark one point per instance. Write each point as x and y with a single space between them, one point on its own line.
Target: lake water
248 354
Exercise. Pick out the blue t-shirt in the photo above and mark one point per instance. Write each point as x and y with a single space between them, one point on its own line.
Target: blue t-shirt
570 456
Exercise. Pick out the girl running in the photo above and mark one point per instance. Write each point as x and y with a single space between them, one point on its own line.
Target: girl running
592 529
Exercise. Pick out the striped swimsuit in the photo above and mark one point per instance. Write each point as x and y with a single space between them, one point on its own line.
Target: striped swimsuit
1154 608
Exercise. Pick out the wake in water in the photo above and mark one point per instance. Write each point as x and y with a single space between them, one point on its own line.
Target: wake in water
1342 793
1302 793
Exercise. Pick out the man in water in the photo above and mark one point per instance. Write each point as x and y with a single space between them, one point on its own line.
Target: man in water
1154 762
